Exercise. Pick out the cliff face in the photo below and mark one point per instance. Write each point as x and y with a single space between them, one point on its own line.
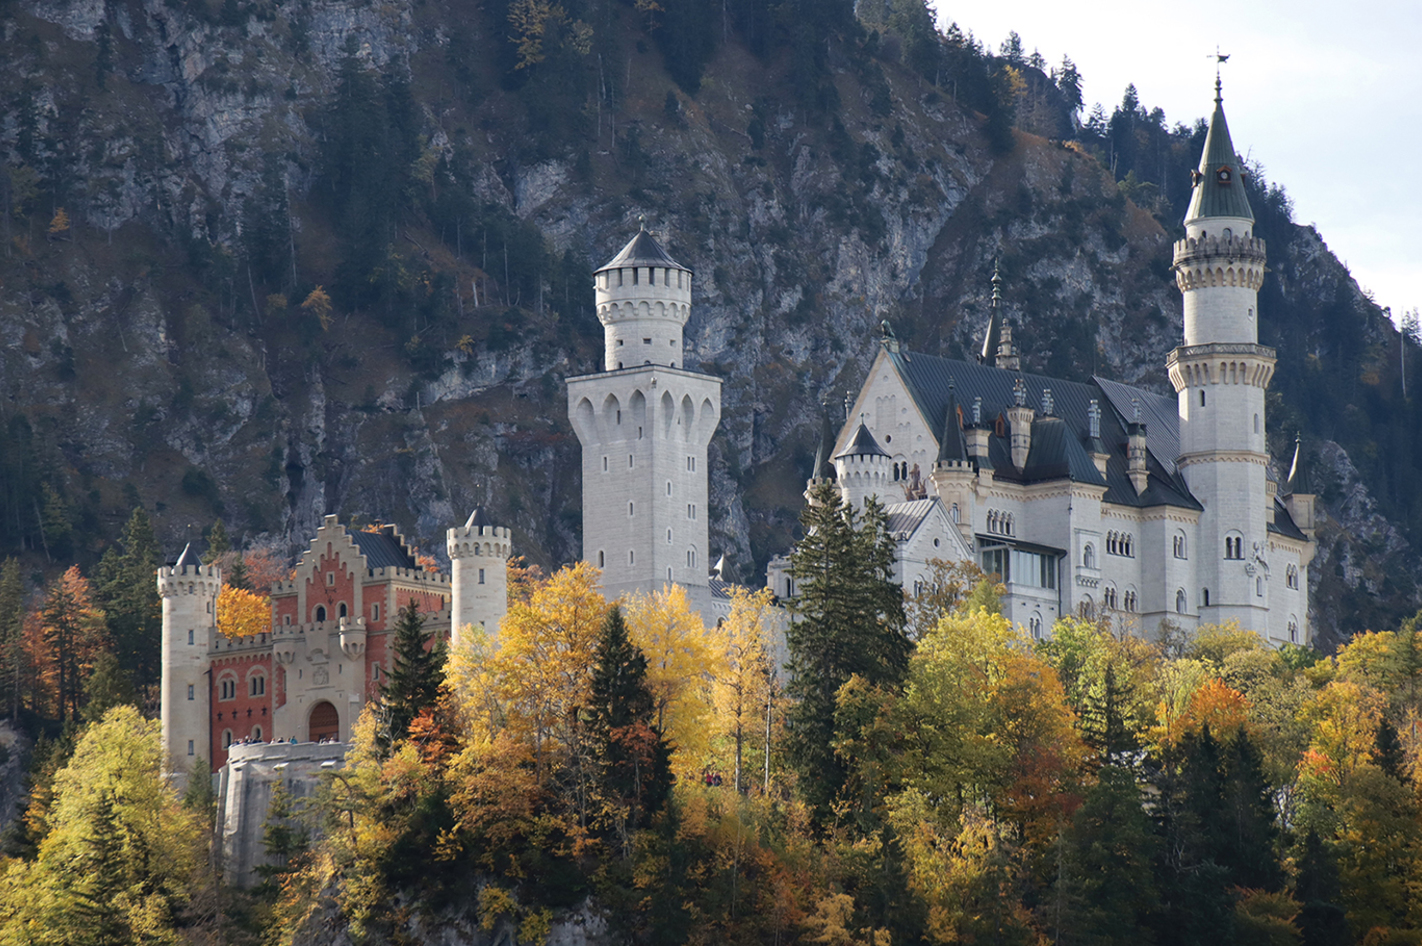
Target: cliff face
139 345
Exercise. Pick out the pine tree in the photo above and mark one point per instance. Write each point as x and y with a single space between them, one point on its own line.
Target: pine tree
284 839
1389 753
633 762
218 544
1322 920
126 590
12 616
850 620
414 682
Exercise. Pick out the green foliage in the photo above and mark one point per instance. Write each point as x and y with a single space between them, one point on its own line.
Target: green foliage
126 591
119 857
12 617
850 621
413 684
633 775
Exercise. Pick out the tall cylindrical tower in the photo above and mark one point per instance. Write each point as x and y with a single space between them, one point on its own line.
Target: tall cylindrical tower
189 592
643 301
478 556
1220 374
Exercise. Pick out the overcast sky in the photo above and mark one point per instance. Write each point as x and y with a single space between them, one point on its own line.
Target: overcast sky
1326 95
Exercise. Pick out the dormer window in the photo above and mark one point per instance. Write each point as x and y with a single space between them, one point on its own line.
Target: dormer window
1223 175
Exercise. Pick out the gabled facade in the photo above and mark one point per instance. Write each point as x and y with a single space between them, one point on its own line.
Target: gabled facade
1100 496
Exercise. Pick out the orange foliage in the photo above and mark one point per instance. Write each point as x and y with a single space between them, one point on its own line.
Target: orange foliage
1047 748
1217 705
264 569
61 641
241 613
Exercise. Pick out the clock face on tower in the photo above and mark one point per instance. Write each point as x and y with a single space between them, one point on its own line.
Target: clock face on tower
1223 175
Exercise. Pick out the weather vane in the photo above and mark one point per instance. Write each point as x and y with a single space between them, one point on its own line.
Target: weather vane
1220 59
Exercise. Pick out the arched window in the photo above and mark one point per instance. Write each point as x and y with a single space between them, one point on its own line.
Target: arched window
953 512
341 610
227 687
226 738
1034 624
1259 586
1088 556
1130 601
257 733
1293 629
1178 545
1291 576
320 613
1108 598
1234 547
257 684
1181 604
1205 597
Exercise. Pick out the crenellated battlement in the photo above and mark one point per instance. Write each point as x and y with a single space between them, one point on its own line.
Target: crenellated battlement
1220 363
1220 247
482 541
194 579
1219 261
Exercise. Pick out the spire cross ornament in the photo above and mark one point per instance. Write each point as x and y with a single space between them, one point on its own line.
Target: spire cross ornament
1220 59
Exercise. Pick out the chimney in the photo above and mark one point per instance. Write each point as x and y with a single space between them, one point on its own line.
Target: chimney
1019 419
1136 455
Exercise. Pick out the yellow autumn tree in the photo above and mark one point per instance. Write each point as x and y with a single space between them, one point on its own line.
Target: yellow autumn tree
684 659
59 226
743 689
541 671
242 613
318 303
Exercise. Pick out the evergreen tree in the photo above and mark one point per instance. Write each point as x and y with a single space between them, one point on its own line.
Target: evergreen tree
414 682
218 544
1247 843
1103 892
12 617
107 686
632 760
128 593
850 620
1317 888
1388 751
284 839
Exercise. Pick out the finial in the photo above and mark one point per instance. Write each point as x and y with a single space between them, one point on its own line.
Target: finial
1136 409
642 221
847 404
977 410
1019 392
1048 405
1093 419
1220 59
951 385
996 283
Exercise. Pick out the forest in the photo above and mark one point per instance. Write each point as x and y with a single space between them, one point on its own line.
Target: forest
879 770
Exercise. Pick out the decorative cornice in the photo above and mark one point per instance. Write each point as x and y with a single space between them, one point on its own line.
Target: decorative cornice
1222 456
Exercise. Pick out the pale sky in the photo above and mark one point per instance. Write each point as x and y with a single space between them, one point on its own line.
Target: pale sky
1326 95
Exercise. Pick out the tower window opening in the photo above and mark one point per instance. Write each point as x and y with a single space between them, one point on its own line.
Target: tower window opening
190 637
619 343
1205 596
1259 586
668 487
630 509
631 557
639 433
375 612
669 573
634 275
669 537
226 738
257 686
1202 397
330 578
619 277
646 341
691 464
481 576
342 611
630 462
1180 603
190 691
601 560
604 464
320 613
190 747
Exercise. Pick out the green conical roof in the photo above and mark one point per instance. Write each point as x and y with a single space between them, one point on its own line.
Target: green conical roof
1219 183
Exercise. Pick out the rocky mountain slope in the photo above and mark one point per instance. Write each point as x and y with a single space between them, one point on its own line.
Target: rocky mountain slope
156 358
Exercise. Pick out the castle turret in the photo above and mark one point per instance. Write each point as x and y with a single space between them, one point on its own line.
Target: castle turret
189 591
862 469
643 300
1019 422
1298 492
1220 373
479 584
644 424
953 472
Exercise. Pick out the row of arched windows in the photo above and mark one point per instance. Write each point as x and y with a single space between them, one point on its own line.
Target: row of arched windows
227 685
1120 543
1234 547
901 471
1291 576
999 523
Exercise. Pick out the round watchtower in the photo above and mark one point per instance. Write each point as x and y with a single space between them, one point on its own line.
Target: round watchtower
189 591
643 301
862 469
478 555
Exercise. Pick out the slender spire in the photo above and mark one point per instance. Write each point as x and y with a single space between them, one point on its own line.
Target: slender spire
1219 180
824 465
953 445
478 518
993 336
1298 482
186 559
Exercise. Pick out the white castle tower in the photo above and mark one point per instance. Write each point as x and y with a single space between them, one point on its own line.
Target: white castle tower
862 469
644 424
189 592
479 574
1220 374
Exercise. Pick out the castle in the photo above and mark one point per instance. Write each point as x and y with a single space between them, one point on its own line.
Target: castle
1084 497
1099 497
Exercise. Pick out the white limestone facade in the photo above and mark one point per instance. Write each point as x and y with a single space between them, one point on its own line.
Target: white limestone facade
644 425
188 591
478 570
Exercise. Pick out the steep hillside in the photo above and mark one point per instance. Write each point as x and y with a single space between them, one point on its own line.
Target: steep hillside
449 178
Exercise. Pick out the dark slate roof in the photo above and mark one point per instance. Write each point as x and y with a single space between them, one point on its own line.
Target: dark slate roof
186 559
905 518
719 588
863 445
1210 197
1299 481
1284 523
478 519
952 445
824 464
1060 442
382 550
642 250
